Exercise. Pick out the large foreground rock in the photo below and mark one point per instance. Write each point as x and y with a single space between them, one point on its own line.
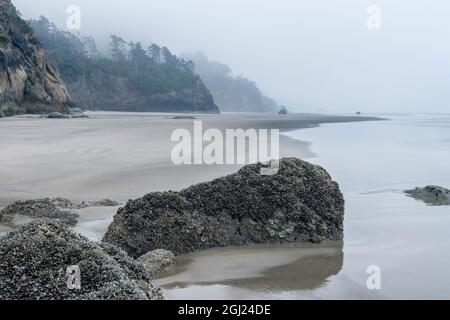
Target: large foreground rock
300 203
34 260
432 195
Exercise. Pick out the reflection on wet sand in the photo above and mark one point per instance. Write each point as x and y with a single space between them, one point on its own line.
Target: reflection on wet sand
258 268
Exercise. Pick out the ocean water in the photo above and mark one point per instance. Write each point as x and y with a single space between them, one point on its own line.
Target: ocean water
406 240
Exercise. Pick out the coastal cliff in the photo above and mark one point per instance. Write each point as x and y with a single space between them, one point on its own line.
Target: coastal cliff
129 77
103 90
231 93
29 83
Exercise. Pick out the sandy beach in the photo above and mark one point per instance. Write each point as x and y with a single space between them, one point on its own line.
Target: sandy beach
123 156
119 156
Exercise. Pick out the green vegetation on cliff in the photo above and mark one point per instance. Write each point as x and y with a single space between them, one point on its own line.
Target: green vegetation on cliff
131 77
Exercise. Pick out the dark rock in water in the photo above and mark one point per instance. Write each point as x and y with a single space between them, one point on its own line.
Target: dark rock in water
58 115
99 203
300 203
432 195
283 111
157 260
183 118
35 258
55 209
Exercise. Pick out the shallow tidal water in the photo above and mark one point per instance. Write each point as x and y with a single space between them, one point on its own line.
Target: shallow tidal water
407 240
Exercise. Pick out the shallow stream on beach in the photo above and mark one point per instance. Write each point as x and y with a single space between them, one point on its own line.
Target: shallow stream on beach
407 240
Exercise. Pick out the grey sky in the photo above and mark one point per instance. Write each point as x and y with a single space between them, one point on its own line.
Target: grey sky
315 55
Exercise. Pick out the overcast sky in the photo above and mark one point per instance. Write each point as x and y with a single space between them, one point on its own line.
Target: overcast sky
313 56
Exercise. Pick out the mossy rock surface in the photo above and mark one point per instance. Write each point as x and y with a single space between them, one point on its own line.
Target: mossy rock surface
299 203
34 261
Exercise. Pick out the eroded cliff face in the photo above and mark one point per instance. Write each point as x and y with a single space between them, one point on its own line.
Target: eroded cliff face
29 83
103 91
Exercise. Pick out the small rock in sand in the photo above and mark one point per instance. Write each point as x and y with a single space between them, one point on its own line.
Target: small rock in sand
100 203
55 209
156 260
58 115
183 118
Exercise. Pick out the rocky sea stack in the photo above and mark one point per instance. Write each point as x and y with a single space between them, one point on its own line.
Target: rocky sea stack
29 83
432 195
300 203
34 261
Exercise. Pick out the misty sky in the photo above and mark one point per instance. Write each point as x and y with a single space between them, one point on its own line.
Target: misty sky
313 56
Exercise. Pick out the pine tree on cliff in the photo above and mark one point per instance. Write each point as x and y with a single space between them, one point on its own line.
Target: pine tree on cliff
138 57
169 59
90 47
118 49
155 53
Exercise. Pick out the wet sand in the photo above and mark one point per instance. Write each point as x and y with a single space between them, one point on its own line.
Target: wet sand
94 221
260 269
118 156
405 238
